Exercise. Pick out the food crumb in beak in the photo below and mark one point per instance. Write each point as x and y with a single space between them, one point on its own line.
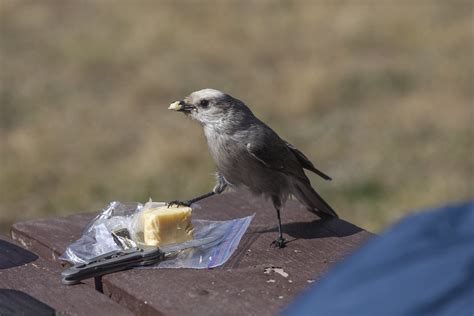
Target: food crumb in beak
176 106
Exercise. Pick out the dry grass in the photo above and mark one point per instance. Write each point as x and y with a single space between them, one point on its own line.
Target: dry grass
378 94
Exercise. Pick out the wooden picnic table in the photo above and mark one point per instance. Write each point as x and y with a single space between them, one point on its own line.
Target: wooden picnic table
30 285
246 285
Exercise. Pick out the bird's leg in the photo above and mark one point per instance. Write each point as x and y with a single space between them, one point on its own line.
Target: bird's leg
191 201
218 189
280 241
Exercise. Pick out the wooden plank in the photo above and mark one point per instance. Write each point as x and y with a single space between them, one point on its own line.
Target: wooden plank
242 285
30 285
49 237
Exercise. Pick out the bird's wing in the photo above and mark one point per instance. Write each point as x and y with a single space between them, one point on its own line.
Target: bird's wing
275 156
261 153
305 162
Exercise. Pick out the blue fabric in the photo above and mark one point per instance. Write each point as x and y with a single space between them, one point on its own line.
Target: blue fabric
422 266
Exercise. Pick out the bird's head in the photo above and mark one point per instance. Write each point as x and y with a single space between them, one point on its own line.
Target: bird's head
209 106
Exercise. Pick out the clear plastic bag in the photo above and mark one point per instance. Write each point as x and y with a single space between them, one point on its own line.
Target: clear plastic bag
213 243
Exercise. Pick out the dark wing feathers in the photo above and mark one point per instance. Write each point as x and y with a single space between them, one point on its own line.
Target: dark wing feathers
305 163
284 157
281 157
267 156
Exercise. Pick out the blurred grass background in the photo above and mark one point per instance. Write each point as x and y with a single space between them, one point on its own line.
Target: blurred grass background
377 93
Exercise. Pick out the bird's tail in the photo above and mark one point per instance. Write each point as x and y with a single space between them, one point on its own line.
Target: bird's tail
303 191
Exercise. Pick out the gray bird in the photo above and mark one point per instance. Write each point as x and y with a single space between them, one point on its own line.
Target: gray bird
251 155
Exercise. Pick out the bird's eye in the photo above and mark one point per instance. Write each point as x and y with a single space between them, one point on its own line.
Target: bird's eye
204 103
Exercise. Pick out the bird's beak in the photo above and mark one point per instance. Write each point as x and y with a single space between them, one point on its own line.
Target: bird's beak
181 106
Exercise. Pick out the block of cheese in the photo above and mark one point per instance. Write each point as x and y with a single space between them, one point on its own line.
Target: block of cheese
164 226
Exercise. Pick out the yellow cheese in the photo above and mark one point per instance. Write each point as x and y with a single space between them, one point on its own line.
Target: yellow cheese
175 106
164 226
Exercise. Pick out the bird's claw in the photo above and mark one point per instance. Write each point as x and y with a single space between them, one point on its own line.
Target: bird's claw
179 203
279 242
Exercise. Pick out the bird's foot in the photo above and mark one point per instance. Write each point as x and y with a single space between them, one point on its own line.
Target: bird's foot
179 203
279 242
